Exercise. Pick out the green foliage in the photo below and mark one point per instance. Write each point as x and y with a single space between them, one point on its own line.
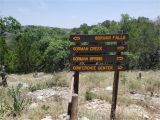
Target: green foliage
36 48
56 54
34 87
18 102
56 81
99 29
4 106
45 107
134 85
89 95
123 79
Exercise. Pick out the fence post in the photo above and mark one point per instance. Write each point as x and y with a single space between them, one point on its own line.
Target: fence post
74 107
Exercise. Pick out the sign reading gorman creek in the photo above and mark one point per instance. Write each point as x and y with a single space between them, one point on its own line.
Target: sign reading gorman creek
97 48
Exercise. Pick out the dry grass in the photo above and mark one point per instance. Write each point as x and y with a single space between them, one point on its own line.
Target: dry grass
129 82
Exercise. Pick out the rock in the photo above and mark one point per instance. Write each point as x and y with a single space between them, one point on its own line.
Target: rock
64 117
98 105
42 95
83 118
47 118
33 106
136 110
146 117
137 96
109 88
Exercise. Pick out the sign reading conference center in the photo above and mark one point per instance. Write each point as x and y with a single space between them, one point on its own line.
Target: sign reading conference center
97 68
99 38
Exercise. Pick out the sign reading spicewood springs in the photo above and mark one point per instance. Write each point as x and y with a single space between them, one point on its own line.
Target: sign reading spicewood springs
99 38
98 58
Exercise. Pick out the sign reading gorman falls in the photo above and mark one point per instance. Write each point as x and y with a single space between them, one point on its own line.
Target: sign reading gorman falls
95 57
99 38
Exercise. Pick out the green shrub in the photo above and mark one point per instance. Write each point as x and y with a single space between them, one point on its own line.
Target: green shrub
18 103
45 107
34 87
89 95
134 85
4 106
124 79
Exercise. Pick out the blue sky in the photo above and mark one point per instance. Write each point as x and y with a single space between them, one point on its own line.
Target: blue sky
72 13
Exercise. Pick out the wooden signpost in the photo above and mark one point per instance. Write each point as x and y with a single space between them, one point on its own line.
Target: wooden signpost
91 55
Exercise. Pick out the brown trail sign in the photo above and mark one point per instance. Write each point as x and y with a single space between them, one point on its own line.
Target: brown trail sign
98 48
97 68
102 55
99 38
98 58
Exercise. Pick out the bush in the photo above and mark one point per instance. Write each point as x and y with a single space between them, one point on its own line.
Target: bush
4 106
34 87
18 103
89 95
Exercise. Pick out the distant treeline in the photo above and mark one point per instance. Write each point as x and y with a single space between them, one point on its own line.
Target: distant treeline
36 48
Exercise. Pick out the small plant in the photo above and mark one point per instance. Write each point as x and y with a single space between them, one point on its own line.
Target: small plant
134 85
124 79
56 81
89 95
35 87
45 107
4 106
17 102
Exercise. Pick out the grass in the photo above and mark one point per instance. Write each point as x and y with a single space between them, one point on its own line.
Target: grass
12 103
129 82
50 108
89 95
56 81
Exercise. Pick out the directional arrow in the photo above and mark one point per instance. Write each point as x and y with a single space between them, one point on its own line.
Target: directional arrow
76 38
120 48
120 67
119 58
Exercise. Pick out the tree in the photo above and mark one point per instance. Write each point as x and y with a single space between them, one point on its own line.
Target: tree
84 28
56 54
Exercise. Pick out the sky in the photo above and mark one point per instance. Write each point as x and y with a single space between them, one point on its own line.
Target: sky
73 13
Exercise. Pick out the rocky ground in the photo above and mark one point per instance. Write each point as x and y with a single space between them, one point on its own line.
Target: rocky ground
51 103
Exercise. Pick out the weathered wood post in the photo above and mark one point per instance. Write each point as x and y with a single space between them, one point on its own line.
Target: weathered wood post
73 102
115 90
74 107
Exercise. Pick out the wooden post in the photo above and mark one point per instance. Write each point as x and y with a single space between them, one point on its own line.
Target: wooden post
73 102
76 82
74 107
115 90
70 99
